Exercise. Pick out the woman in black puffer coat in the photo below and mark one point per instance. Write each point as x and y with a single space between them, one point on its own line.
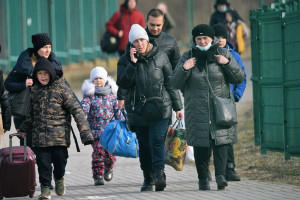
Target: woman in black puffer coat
145 72
206 59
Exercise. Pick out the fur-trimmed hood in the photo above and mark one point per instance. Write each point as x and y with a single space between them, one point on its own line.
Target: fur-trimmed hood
88 88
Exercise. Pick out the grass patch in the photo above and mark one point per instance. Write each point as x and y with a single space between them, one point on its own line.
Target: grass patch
252 164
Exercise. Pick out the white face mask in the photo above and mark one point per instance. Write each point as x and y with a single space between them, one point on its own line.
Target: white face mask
204 48
222 11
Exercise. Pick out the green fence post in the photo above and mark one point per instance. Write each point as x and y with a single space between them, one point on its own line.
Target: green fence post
190 15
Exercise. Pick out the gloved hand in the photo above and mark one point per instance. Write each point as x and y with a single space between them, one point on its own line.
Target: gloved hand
88 142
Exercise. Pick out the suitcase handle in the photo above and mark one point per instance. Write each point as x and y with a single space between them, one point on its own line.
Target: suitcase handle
10 145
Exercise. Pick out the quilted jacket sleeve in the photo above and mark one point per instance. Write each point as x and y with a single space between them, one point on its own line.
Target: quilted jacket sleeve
233 71
125 73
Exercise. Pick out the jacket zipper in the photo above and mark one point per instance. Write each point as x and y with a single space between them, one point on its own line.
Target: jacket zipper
208 98
133 98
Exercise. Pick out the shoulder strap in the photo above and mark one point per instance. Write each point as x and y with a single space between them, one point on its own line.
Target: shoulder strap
75 139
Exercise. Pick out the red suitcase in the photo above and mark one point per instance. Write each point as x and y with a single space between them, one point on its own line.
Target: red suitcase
17 170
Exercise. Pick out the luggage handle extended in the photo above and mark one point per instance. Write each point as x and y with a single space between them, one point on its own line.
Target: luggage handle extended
10 145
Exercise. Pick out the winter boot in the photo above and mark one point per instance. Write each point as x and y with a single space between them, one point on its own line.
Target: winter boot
204 184
230 173
221 182
98 180
148 181
108 175
159 177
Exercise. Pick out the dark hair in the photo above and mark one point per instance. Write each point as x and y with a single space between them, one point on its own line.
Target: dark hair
155 12
233 14
125 4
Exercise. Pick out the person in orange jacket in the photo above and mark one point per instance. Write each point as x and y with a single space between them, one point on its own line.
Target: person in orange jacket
237 31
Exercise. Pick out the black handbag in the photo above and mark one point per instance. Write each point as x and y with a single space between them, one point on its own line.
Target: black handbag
109 43
19 102
225 110
152 108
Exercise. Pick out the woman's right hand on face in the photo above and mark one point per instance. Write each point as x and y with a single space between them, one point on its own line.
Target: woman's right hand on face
190 63
29 82
132 57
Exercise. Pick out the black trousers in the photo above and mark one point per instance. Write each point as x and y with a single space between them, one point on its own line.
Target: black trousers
202 157
45 156
18 121
230 158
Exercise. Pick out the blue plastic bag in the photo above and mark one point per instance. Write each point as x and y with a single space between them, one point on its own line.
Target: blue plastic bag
119 140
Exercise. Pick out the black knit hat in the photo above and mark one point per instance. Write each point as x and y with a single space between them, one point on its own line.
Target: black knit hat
39 40
43 64
220 30
222 2
203 30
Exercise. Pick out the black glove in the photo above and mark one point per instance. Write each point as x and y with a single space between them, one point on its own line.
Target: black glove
88 142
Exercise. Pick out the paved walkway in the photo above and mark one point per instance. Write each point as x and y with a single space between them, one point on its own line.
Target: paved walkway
180 185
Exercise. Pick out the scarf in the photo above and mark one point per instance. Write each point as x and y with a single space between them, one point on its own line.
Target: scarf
102 91
205 56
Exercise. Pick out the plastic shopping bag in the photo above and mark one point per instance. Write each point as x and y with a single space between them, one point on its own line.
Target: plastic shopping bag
176 146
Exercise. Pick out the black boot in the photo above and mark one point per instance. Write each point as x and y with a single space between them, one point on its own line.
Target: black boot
230 174
221 182
148 181
159 179
204 184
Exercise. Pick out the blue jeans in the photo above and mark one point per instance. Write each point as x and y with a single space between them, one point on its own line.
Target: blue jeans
152 145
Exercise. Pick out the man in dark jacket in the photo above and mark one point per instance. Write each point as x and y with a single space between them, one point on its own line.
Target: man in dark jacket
165 41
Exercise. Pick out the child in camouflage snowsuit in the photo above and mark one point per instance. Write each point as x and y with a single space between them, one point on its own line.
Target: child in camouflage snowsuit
51 103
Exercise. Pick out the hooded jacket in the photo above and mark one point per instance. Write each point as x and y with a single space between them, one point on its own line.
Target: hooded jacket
49 116
99 109
237 89
152 73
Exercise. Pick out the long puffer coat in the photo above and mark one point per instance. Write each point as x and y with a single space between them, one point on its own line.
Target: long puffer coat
199 115
153 74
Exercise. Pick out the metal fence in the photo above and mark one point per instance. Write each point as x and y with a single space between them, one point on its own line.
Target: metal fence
75 27
276 76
